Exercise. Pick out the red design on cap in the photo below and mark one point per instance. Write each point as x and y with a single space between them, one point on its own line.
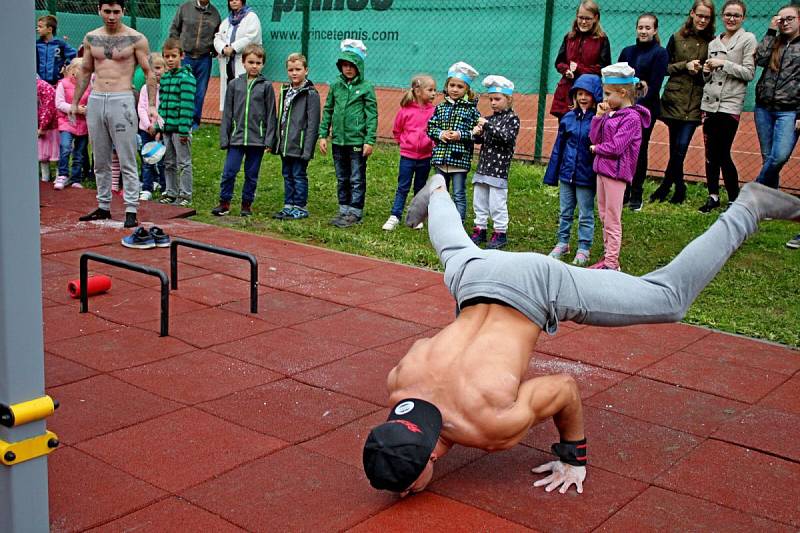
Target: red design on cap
409 425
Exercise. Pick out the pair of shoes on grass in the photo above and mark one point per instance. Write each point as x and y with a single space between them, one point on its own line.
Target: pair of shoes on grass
144 239
224 208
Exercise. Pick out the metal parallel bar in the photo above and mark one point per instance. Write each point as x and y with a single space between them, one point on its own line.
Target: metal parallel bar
136 267
250 258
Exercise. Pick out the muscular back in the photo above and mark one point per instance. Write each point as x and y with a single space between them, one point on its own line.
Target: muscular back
471 371
114 57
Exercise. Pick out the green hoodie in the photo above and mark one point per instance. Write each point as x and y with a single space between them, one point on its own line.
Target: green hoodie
351 109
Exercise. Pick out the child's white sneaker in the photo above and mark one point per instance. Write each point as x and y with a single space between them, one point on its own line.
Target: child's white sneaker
60 183
145 196
391 223
421 225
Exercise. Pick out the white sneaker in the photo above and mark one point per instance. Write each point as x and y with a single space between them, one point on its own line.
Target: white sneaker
391 223
156 186
421 225
61 182
76 185
145 196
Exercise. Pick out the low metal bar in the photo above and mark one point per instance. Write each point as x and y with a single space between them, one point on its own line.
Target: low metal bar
250 258
127 265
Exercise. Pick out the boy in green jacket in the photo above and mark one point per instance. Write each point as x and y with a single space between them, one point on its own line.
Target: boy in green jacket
176 109
350 116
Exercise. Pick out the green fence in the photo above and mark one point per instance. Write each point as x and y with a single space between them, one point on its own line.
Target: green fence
515 38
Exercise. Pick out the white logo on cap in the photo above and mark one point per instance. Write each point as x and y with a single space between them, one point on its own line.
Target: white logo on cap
404 408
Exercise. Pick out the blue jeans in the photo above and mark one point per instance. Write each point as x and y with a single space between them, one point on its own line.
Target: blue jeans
233 162
201 68
777 137
459 180
680 135
410 169
569 197
75 146
295 181
351 178
151 173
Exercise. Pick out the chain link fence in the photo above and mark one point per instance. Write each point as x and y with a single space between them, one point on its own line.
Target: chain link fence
518 39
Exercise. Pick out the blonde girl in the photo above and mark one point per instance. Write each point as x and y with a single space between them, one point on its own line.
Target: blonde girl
416 148
616 136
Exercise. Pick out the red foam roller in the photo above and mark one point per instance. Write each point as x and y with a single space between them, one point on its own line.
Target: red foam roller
94 285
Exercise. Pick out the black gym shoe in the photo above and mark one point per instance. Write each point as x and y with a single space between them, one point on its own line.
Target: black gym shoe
160 238
130 220
498 241
97 214
222 209
478 235
709 206
635 204
140 239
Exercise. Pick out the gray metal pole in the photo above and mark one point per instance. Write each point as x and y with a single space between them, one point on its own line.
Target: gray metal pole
23 487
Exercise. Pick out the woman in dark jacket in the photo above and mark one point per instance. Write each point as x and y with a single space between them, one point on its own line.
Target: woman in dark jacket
649 59
584 50
778 93
680 104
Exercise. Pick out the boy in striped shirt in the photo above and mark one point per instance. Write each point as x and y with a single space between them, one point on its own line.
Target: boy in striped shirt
176 111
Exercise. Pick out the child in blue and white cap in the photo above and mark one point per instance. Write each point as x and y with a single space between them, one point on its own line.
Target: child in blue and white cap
450 128
498 135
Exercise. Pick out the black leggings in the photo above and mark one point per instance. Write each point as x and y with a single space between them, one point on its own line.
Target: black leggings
719 130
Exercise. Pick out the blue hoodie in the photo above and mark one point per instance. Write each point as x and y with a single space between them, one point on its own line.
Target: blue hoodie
571 160
51 56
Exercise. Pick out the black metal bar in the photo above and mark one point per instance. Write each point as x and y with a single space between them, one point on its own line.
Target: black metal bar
173 264
136 267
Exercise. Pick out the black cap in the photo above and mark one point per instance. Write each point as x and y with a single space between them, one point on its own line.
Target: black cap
397 451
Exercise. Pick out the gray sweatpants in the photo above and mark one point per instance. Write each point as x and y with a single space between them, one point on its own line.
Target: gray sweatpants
178 166
113 124
547 290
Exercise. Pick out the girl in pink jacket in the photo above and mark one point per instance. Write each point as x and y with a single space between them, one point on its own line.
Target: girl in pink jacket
73 134
416 148
47 127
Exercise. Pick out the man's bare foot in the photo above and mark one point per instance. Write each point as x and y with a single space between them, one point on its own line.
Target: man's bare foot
418 208
767 202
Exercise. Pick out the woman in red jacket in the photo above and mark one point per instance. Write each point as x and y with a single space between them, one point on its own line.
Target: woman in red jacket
584 50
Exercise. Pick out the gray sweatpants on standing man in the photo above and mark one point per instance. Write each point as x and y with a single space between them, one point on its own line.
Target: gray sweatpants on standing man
547 290
113 124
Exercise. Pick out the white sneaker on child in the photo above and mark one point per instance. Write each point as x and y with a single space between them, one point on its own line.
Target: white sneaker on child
391 223
145 196
60 183
421 225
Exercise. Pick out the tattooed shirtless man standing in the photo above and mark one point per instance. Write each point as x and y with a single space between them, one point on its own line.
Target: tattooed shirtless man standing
111 54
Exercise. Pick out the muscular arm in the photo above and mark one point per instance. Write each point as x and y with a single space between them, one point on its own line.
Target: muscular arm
142 52
84 74
553 396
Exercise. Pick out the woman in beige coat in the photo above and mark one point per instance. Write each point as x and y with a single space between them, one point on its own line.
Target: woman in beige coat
240 28
727 71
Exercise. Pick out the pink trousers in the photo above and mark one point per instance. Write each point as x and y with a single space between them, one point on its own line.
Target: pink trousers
610 193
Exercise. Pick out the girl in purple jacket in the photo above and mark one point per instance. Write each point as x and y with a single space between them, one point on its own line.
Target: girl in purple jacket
616 135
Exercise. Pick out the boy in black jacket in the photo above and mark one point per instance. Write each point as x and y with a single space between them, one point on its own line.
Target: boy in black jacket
299 114
247 130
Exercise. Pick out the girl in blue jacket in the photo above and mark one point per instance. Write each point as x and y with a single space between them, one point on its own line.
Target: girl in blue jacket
570 168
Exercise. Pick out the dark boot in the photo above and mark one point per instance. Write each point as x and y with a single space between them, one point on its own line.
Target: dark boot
130 220
660 194
97 214
680 193
478 235
247 209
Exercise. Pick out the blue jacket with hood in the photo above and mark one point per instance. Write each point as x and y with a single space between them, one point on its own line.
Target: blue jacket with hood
571 160
51 56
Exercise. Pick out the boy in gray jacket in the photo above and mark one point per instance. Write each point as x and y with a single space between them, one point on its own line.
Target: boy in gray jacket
299 114
247 130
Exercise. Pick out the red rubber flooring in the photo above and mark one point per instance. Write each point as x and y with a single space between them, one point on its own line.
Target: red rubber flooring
255 422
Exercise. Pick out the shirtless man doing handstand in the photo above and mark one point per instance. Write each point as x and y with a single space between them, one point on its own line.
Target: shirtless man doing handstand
464 385
111 53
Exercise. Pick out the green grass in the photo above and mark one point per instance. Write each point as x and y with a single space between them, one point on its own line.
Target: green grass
757 293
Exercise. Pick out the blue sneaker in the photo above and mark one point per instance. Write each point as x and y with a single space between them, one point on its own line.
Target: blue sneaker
161 239
296 213
140 238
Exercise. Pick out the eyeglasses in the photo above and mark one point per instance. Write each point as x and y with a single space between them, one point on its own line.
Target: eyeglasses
786 20
702 17
733 16
585 19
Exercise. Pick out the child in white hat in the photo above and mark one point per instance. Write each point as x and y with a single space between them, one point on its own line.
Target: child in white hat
498 136
450 128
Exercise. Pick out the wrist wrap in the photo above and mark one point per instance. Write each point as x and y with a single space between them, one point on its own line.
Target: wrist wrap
572 452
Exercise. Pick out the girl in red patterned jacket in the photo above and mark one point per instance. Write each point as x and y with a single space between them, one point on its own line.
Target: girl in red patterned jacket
584 50
47 128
